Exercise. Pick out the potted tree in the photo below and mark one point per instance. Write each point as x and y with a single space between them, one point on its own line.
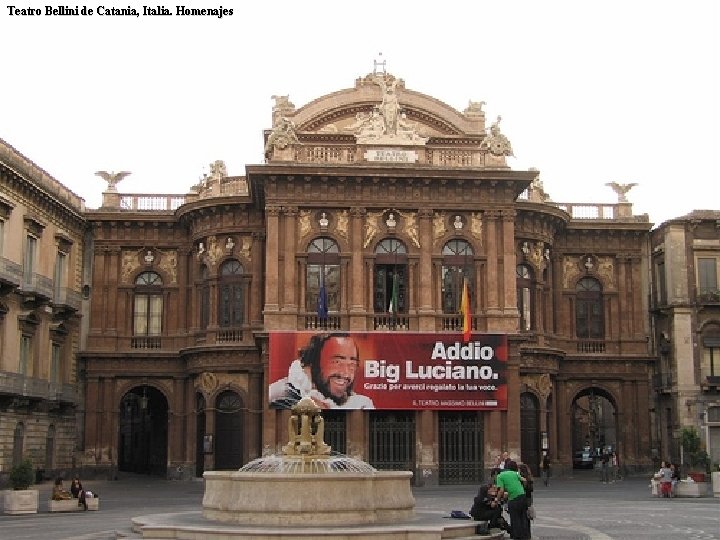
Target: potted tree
695 456
20 499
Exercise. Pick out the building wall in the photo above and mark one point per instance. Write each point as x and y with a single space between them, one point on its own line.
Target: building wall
46 306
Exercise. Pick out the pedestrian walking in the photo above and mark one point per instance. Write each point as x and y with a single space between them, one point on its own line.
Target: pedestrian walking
604 465
545 468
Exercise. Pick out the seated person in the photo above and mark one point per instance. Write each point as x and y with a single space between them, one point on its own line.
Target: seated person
78 492
487 506
59 493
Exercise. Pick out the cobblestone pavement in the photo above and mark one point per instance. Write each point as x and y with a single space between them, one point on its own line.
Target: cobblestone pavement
570 509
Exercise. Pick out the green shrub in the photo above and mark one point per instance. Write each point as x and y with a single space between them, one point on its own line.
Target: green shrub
22 475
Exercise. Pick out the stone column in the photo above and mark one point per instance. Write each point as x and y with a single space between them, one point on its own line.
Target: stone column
491 217
290 277
509 302
425 271
357 280
272 259
256 317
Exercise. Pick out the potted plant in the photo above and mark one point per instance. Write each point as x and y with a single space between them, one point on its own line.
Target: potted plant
20 499
695 456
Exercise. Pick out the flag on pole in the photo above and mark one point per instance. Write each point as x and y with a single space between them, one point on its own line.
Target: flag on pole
393 308
322 305
465 312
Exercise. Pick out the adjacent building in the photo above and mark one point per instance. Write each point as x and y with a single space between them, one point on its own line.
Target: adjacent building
686 320
42 239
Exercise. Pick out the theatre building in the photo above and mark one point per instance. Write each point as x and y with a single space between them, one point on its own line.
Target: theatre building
379 205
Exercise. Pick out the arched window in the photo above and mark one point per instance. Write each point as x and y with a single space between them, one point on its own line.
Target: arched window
323 268
390 277
524 275
148 310
204 291
458 265
231 288
589 319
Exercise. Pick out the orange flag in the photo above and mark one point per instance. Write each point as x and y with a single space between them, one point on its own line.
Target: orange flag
465 312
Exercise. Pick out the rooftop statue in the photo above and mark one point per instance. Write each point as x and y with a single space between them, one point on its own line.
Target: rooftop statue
621 190
113 178
497 143
282 136
387 123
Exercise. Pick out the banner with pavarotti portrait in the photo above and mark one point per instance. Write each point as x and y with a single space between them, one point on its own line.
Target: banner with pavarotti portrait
388 370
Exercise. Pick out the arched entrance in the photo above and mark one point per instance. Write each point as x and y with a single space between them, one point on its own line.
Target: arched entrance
143 437
530 431
228 431
594 429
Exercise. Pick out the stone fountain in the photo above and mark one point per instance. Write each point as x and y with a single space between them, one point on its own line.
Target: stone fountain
305 492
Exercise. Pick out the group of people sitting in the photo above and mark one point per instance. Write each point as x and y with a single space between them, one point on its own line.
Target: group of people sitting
59 493
511 486
668 476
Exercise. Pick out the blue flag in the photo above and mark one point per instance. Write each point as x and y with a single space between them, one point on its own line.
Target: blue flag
322 305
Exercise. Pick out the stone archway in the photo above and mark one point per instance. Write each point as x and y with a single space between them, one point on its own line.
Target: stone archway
594 425
143 432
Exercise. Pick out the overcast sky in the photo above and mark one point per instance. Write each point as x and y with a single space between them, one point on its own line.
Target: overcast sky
589 92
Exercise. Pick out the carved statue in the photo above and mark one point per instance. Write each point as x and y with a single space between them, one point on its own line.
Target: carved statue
129 265
439 228
342 224
113 178
246 246
306 429
475 108
282 107
304 222
390 106
282 136
372 227
476 225
621 190
411 228
497 143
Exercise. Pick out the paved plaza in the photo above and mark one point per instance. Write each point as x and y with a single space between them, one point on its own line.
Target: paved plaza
580 508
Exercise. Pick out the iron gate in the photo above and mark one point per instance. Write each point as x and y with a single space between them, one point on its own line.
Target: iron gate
335 430
392 440
461 447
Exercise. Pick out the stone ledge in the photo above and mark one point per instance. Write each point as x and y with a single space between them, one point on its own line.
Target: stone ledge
71 505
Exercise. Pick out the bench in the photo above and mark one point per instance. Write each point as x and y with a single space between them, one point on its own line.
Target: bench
71 505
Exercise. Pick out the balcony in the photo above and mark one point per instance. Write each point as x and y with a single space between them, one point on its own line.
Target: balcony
711 382
311 321
18 385
10 273
145 342
38 287
708 296
66 300
662 382
591 346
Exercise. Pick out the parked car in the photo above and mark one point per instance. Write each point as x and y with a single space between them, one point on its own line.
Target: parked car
583 459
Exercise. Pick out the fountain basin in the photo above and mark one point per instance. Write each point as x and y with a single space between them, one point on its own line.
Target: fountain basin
252 498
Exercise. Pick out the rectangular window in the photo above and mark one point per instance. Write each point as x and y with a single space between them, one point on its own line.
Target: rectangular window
155 317
60 272
661 287
29 262
140 315
2 235
25 353
707 275
55 363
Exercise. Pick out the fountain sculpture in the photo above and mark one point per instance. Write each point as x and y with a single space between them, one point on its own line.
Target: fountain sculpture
307 492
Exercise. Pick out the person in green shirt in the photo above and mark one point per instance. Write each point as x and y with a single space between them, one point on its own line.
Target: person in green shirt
509 480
